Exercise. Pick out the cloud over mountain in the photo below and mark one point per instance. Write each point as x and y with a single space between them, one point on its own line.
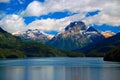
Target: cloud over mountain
12 23
109 9
108 14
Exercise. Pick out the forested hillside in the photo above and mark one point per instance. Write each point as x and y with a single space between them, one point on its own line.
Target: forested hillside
12 47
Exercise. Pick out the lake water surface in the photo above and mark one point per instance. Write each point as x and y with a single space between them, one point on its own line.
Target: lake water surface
59 69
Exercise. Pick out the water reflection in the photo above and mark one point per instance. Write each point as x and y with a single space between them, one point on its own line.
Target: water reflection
59 73
59 69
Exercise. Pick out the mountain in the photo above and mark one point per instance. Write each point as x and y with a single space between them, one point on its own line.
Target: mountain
113 54
14 47
33 35
76 25
76 36
8 45
105 46
108 34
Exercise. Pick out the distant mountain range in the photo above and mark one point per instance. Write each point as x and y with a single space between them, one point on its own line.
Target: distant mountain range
76 35
14 47
110 47
104 47
33 35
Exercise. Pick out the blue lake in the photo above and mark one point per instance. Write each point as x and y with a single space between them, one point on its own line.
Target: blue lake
59 69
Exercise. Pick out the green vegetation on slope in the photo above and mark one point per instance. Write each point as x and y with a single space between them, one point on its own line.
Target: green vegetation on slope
113 55
109 49
12 47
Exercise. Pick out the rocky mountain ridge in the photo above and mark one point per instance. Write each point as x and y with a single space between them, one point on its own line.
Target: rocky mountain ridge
75 36
33 35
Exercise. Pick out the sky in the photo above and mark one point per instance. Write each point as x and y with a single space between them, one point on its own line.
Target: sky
52 16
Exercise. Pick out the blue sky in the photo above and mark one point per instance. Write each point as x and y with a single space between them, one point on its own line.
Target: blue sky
52 16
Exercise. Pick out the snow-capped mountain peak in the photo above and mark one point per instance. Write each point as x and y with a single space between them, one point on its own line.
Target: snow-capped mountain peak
78 24
33 35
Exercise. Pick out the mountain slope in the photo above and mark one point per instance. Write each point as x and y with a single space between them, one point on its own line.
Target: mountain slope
33 35
113 54
12 47
105 46
75 36
8 44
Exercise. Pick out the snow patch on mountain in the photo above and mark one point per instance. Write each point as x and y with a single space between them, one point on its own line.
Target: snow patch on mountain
33 35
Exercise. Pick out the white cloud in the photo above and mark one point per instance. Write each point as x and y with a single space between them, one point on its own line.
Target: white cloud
49 24
54 24
12 23
4 1
109 14
34 9
110 9
37 8
103 19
